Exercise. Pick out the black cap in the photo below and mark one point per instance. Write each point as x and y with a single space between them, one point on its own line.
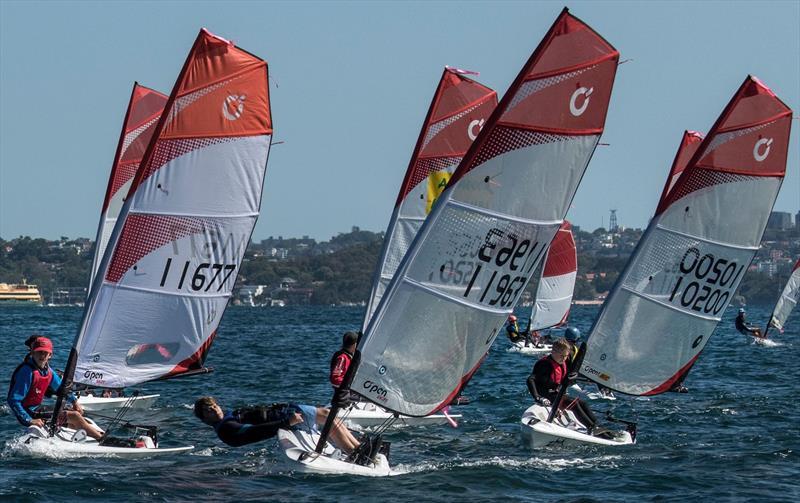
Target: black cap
349 338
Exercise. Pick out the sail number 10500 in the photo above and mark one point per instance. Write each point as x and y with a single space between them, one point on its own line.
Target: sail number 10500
204 276
708 281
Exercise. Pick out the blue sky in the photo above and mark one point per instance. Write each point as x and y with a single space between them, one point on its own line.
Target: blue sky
351 83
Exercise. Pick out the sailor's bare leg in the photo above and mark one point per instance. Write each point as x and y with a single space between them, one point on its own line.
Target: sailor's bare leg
340 435
77 421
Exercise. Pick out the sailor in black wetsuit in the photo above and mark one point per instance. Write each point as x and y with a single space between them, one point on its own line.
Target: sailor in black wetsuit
253 424
744 328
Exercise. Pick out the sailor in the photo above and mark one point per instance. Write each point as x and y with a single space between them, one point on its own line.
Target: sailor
512 330
744 328
546 378
252 424
340 362
32 380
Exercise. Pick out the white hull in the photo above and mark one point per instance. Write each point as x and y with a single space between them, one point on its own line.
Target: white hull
368 415
299 448
593 395
66 444
93 403
519 347
565 429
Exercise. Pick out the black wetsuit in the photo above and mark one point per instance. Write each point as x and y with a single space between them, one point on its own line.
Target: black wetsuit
253 424
742 327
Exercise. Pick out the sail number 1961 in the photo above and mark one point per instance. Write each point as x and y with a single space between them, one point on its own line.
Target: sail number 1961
202 278
707 282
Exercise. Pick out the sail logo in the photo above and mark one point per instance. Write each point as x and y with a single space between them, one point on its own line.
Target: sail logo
471 128
576 110
233 106
757 149
437 181
371 387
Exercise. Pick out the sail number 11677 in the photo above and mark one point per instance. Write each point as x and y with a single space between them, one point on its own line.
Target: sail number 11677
202 278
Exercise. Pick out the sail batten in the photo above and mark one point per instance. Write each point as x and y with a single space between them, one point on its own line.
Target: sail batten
189 213
694 254
489 228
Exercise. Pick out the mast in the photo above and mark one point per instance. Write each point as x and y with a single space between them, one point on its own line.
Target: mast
170 265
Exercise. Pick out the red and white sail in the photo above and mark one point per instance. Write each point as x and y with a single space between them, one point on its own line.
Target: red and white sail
695 251
459 109
175 252
689 143
499 212
557 282
787 301
141 118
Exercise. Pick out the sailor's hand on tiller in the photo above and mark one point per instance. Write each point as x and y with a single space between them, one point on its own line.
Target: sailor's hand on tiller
37 422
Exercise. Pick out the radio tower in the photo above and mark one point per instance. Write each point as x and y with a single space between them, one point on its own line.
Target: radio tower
612 222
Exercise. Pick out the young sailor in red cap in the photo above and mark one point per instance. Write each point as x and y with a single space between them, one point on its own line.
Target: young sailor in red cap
32 380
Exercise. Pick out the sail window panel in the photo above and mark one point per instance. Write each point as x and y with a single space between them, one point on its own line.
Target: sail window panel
715 205
402 236
637 344
205 176
534 175
690 275
143 320
480 258
414 375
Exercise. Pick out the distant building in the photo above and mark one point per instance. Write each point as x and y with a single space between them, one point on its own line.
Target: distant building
780 220
797 221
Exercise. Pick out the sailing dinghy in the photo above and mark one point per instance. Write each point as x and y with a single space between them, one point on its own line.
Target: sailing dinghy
555 289
786 302
499 212
171 261
690 260
459 108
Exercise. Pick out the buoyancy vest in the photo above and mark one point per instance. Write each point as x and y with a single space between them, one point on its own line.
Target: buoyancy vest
39 385
339 366
558 372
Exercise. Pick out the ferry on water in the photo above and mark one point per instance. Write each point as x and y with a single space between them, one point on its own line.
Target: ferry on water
20 294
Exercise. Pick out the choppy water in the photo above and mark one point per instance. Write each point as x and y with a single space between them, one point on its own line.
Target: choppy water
734 437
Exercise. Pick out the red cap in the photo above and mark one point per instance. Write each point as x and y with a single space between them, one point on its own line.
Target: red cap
42 344
512 318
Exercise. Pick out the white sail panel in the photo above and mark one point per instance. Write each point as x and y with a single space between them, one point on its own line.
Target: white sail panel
177 246
688 264
787 300
497 215
557 282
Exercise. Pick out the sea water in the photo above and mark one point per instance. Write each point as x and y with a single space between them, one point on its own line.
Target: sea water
733 437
